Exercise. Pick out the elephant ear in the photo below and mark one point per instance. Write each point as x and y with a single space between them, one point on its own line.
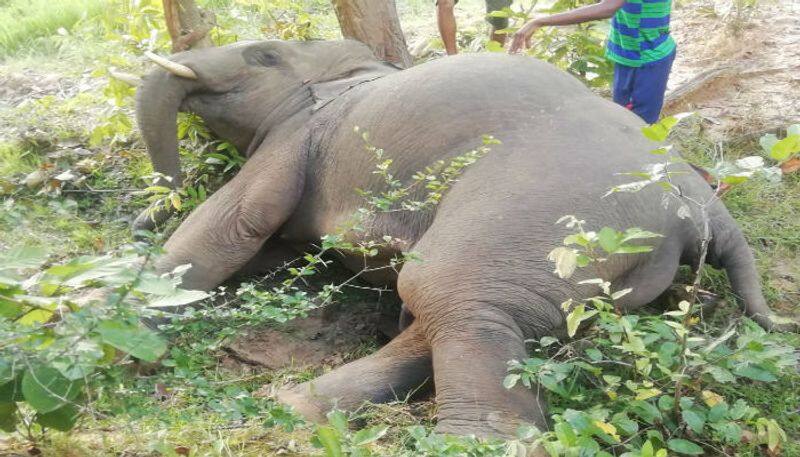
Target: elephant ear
328 89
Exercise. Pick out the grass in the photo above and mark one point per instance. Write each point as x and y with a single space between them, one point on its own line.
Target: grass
23 21
210 407
15 160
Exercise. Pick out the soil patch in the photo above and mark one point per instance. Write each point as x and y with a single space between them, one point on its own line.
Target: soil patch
742 76
329 336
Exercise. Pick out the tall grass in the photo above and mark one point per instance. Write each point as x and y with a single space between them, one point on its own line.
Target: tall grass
22 21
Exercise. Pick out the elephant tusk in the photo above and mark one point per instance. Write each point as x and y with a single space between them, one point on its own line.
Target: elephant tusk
173 67
127 78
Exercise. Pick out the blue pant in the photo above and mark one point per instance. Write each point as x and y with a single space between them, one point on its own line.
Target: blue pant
641 89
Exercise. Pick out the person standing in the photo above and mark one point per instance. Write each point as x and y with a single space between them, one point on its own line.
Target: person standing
639 44
446 19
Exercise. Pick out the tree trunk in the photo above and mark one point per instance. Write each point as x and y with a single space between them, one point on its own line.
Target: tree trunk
374 23
188 25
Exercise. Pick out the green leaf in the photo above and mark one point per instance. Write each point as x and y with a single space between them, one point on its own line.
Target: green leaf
630 249
369 435
45 389
6 372
694 420
754 373
646 411
661 129
511 380
11 391
330 441
9 309
136 340
647 450
720 374
338 420
565 433
494 46
63 418
156 285
775 435
8 417
655 132
736 178
609 239
785 148
578 315
180 297
730 432
566 261
21 257
767 142
35 317
684 447
718 412
594 354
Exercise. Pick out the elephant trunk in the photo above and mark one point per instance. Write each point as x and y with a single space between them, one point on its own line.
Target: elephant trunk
157 102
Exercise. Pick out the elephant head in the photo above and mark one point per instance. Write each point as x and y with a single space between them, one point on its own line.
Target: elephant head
245 89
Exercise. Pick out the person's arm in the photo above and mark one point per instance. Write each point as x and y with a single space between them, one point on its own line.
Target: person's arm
603 10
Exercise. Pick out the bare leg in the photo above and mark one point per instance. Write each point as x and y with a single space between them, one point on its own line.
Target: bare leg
399 368
446 19
498 37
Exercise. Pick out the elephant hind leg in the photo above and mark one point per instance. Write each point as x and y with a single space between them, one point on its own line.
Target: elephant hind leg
399 369
470 359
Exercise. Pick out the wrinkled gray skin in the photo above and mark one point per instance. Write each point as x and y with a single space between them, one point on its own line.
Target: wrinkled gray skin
484 285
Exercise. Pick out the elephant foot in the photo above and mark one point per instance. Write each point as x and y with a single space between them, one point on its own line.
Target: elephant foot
396 371
774 323
304 405
490 425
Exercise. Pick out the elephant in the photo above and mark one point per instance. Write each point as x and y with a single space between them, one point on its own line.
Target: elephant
483 284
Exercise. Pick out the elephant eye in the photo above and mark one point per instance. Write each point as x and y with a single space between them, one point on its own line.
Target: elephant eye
264 58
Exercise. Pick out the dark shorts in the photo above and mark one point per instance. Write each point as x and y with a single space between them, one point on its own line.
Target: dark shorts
641 89
495 5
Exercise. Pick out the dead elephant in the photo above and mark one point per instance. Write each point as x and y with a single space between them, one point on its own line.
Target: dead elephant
484 285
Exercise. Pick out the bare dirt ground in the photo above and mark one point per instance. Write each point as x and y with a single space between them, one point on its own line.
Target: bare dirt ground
741 75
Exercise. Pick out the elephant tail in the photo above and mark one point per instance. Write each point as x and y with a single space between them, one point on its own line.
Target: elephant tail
729 250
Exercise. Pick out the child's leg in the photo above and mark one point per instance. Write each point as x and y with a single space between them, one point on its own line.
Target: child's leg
497 23
649 87
623 84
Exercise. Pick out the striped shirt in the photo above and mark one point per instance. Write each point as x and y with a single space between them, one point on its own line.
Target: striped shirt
640 33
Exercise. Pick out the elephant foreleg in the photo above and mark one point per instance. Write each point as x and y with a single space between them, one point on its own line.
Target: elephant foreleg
397 370
228 229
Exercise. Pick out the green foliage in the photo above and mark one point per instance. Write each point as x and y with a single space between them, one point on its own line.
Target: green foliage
639 385
783 149
579 50
660 173
648 385
57 339
589 244
425 443
436 179
337 441
137 24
